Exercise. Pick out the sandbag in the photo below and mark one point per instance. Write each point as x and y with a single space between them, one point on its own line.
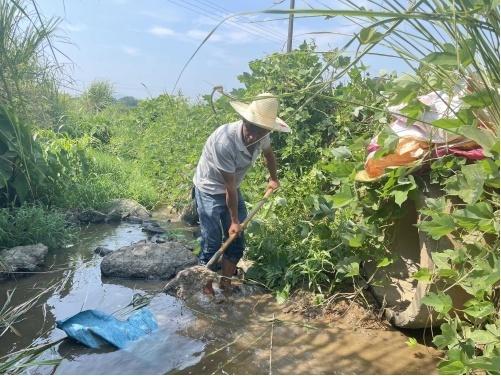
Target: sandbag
95 329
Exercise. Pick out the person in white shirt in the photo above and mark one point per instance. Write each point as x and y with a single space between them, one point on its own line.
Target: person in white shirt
227 155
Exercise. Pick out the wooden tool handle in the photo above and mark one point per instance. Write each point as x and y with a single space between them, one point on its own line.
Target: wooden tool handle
214 259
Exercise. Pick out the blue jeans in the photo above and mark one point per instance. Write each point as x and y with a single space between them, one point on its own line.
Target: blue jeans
215 220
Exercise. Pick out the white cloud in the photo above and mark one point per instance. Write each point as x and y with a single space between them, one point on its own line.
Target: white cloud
131 51
161 31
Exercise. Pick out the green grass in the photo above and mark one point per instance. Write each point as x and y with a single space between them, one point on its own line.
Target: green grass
31 224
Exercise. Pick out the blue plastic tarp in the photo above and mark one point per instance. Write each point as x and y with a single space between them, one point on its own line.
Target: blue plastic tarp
95 328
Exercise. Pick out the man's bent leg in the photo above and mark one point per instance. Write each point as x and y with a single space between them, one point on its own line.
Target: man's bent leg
236 249
209 208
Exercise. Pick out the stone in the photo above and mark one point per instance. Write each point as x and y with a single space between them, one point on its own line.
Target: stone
26 258
134 220
91 216
148 260
119 209
103 251
153 228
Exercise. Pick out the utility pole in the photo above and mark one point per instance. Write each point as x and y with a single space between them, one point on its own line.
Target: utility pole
291 26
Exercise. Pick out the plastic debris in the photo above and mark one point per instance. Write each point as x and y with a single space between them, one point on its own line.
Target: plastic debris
95 329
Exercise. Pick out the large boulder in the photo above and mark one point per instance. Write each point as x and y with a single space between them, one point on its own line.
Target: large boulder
91 216
148 260
123 208
26 258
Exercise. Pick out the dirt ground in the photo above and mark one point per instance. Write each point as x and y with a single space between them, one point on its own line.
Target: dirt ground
346 308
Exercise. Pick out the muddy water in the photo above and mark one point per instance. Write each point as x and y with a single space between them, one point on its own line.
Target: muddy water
243 336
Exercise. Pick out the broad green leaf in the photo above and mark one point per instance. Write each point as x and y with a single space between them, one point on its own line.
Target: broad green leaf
477 216
341 152
21 186
413 110
441 58
400 196
354 240
451 125
451 367
482 137
491 172
479 309
448 336
478 99
443 266
438 226
441 260
490 364
440 302
483 337
384 262
434 206
388 141
422 275
468 185
451 56
353 269
339 169
369 35
342 198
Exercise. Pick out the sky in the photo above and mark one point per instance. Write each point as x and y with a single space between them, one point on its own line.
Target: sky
141 46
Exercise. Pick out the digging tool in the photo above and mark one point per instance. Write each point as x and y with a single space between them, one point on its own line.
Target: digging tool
228 241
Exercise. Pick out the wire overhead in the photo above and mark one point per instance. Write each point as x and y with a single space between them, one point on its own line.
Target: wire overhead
190 6
244 19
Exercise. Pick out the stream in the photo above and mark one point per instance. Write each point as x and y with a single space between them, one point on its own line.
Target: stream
250 335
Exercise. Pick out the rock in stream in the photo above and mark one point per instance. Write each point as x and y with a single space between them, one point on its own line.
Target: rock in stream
26 258
148 260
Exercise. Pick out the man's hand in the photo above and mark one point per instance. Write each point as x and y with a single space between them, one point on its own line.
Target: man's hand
273 184
234 229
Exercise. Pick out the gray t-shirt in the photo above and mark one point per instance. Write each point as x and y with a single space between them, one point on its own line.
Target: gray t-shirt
225 150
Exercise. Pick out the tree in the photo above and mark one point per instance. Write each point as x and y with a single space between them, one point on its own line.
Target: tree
98 96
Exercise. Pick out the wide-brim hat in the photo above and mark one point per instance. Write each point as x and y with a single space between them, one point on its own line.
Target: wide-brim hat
262 112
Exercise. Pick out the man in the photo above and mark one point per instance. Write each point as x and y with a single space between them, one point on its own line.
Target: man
228 153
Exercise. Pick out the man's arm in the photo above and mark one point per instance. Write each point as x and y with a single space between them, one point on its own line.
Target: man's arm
232 201
271 163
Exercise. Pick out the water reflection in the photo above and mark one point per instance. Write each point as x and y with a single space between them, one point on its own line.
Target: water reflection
161 352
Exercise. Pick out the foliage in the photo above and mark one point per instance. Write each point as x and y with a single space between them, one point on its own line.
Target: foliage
31 224
28 68
451 46
322 225
128 101
98 96
285 75
163 138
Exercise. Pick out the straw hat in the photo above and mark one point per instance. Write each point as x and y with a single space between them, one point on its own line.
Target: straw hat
262 112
